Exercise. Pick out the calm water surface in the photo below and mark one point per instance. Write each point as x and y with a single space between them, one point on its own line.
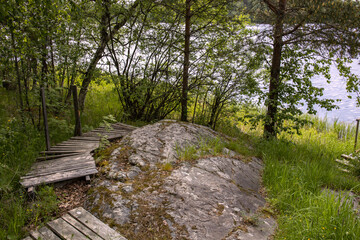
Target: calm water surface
348 111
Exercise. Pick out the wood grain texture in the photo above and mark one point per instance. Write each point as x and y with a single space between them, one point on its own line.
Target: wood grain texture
65 230
81 227
48 234
95 224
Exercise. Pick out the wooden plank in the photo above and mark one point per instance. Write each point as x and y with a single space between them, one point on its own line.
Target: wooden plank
40 166
73 147
95 224
65 230
343 170
51 157
57 162
57 177
47 172
81 227
61 152
70 148
92 134
36 235
27 238
344 162
124 125
85 138
347 157
48 234
77 143
61 169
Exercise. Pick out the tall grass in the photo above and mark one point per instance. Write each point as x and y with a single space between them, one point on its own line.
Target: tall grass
101 100
298 171
19 147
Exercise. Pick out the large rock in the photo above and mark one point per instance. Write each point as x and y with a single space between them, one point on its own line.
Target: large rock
147 193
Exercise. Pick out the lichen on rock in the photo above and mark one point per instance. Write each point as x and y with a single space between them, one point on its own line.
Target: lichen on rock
212 197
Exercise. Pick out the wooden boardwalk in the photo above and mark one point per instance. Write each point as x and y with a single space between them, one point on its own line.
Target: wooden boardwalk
78 224
72 158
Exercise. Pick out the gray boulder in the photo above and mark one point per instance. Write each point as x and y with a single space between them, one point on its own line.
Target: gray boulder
146 192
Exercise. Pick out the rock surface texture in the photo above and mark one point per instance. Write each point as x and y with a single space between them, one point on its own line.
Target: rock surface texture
148 191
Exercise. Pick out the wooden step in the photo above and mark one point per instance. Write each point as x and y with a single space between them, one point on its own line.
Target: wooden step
78 224
344 162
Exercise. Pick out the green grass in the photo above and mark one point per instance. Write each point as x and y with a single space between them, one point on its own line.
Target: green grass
101 100
19 147
298 169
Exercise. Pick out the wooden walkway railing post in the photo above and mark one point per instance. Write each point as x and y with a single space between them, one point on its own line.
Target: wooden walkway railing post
77 131
47 137
357 132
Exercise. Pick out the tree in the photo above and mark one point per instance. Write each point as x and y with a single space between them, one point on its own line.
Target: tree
199 16
144 63
326 26
109 26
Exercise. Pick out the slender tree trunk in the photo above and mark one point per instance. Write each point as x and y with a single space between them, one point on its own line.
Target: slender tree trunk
203 107
18 77
214 109
34 72
105 38
53 77
272 102
196 100
184 95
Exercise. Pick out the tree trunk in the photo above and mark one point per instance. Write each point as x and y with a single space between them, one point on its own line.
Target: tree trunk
105 38
196 100
214 109
18 77
272 102
184 95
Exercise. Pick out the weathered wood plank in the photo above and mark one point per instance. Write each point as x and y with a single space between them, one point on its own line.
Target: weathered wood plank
344 162
81 227
85 138
65 230
51 157
53 152
36 235
56 162
57 177
85 145
344 170
60 169
347 157
62 161
95 224
48 234
70 148
125 125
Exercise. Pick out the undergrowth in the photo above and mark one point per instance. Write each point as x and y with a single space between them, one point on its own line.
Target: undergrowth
298 171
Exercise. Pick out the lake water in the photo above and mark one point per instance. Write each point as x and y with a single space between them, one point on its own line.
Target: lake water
348 111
